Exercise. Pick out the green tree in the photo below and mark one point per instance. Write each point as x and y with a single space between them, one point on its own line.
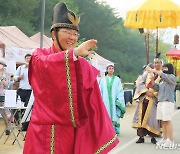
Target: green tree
48 14
19 13
116 43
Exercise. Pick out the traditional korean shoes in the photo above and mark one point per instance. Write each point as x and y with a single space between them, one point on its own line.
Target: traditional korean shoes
140 140
153 140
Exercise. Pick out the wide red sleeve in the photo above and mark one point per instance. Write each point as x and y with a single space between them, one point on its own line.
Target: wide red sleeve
53 80
97 135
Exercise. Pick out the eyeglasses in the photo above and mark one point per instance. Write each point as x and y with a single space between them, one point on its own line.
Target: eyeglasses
76 35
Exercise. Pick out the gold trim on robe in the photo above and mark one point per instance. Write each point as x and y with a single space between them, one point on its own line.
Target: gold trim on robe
146 116
106 145
52 139
68 75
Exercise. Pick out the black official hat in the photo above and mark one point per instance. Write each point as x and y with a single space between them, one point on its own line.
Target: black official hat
64 18
158 58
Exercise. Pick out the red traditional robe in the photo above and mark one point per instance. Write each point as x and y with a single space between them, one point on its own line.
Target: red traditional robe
69 116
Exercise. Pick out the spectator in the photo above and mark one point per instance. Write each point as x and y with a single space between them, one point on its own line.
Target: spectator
4 81
21 75
165 106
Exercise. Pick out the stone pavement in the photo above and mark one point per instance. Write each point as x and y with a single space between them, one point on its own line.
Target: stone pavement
128 138
8 148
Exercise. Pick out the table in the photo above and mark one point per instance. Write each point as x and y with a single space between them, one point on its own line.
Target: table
13 126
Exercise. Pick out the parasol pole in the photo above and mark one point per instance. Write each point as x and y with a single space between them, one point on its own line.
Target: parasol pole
147 46
157 41
146 39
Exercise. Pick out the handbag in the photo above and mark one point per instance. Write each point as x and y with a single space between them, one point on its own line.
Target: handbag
15 85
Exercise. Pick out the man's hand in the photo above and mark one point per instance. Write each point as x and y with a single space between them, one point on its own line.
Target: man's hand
150 70
83 49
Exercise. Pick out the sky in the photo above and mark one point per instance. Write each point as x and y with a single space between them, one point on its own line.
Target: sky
122 6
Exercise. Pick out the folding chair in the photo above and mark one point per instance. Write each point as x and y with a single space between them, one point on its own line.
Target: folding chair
26 117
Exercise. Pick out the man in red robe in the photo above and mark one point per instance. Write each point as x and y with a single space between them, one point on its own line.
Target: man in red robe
69 116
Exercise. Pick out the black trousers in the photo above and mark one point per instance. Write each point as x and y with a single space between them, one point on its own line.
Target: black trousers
24 95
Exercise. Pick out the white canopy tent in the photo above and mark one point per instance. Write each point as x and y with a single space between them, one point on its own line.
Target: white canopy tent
14 45
100 63
47 42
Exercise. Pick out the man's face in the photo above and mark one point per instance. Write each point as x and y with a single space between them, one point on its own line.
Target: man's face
27 59
158 65
67 37
110 70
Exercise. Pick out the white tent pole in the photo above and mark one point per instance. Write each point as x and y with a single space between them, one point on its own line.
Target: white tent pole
42 22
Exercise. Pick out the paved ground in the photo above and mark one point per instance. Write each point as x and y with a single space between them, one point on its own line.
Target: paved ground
127 138
8 148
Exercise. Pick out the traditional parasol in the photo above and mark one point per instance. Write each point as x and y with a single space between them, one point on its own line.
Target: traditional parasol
173 57
154 14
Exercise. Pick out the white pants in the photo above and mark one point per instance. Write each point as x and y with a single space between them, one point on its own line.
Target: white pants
165 111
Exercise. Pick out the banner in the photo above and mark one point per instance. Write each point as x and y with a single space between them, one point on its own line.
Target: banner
16 54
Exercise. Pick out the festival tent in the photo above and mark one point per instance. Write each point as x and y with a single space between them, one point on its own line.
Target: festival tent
47 42
11 35
14 45
100 63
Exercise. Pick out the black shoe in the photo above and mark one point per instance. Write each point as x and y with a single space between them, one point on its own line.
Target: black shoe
7 132
153 140
140 140
178 107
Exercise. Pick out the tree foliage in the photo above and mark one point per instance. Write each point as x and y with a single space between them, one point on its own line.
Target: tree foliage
19 13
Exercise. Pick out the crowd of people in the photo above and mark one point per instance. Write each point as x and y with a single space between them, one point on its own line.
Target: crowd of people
73 113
